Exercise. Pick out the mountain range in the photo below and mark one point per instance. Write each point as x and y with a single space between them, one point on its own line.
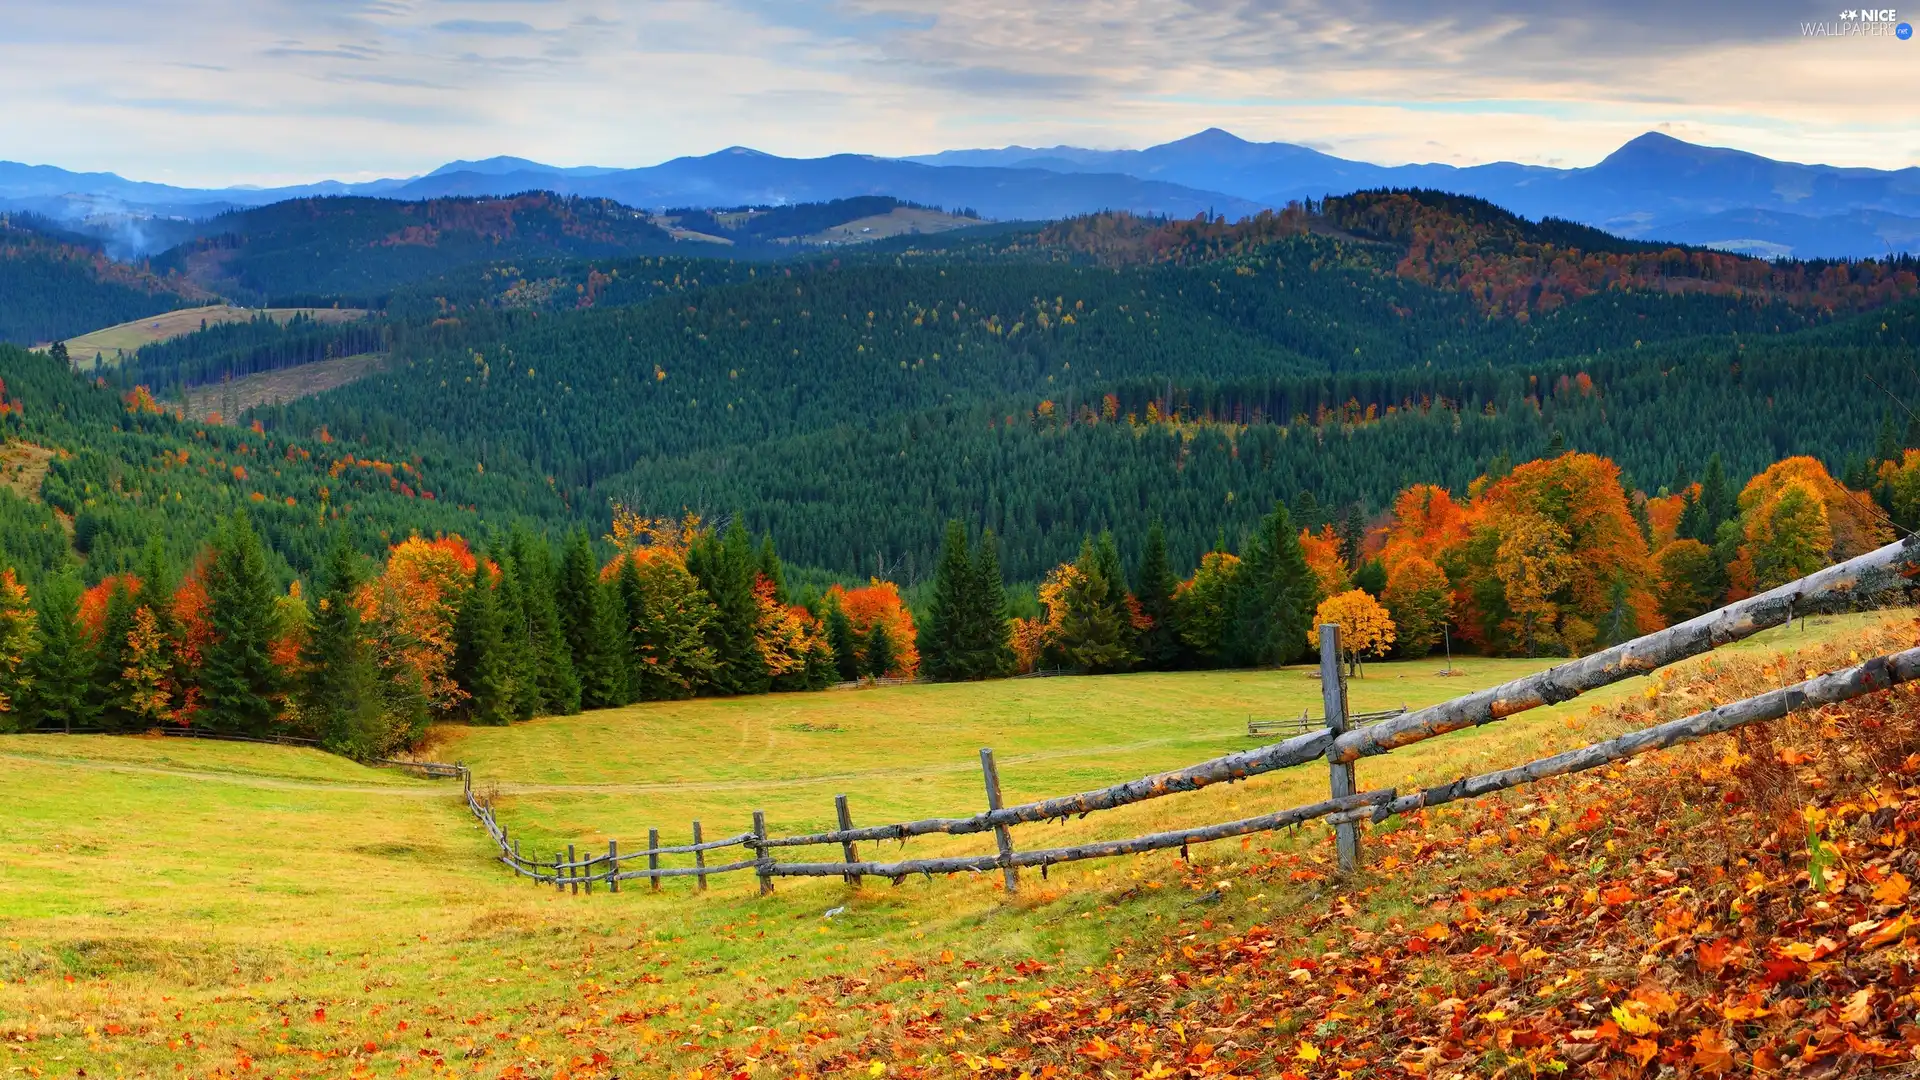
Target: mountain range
1655 187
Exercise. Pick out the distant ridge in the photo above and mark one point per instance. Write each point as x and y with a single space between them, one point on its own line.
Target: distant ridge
1653 187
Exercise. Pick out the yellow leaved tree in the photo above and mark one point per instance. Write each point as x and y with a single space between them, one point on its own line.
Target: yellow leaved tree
1365 627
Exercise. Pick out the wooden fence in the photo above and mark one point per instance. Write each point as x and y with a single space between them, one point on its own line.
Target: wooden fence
1872 577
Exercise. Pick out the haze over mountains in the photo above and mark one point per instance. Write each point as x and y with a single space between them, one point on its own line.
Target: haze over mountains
1654 187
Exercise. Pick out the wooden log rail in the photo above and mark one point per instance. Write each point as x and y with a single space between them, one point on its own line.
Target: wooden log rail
1845 584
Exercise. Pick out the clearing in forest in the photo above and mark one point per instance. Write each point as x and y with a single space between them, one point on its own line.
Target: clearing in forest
86 350
227 400
176 907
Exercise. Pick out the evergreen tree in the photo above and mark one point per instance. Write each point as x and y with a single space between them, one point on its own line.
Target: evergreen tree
1371 578
576 589
1093 634
1693 520
844 642
1106 560
952 617
881 655
59 669
672 621
516 641
630 594
1274 596
992 639
552 653
1153 587
605 682
725 567
1717 498
479 652
1353 535
108 700
341 698
241 688
769 565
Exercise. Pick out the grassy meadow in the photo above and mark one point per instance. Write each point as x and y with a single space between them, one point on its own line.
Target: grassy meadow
182 908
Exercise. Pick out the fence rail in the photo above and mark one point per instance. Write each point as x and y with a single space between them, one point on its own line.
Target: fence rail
1341 743
1300 725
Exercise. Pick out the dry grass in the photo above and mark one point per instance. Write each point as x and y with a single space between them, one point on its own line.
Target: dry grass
86 350
229 399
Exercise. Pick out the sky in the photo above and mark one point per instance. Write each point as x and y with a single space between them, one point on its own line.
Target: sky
216 92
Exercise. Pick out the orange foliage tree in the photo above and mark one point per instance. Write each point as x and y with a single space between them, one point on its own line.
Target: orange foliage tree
1323 557
1552 560
410 609
1795 519
879 603
16 639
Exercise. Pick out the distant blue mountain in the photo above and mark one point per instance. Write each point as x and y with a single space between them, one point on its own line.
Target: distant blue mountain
1654 187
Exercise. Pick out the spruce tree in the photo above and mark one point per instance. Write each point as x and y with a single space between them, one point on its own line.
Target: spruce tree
1094 635
516 640
240 686
552 654
991 639
725 568
1353 535
1274 599
770 568
630 591
952 620
881 655
604 681
341 698
479 652
1153 586
1371 578
108 701
59 669
842 639
577 597
1717 498
1106 561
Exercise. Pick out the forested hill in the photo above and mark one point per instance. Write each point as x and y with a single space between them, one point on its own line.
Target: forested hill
362 248
55 284
1057 380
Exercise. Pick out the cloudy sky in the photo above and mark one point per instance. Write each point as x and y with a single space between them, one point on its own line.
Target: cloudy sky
208 92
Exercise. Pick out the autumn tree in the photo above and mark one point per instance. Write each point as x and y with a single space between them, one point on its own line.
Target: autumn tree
873 604
17 622
1323 552
1419 600
1365 627
1794 518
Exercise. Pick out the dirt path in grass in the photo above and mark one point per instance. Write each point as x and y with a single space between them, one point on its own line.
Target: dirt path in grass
242 779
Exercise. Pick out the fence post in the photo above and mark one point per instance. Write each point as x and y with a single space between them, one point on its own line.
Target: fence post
613 865
763 862
699 858
847 847
558 883
573 872
1333 692
1000 833
653 855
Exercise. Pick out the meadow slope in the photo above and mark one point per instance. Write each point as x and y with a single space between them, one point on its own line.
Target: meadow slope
172 908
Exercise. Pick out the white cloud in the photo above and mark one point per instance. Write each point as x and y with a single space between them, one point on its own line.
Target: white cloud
269 91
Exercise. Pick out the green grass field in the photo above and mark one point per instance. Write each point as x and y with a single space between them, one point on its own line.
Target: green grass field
171 907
